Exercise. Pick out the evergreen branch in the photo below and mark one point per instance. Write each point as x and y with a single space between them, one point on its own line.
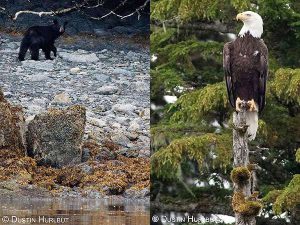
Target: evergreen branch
216 26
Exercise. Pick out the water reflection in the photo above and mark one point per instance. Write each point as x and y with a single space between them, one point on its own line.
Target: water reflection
74 212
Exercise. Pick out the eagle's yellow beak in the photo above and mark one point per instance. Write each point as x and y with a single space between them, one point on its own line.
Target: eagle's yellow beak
240 16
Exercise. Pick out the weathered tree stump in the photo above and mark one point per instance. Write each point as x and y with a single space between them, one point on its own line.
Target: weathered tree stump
245 204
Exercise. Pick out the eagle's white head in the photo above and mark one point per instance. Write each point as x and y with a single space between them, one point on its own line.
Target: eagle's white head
252 23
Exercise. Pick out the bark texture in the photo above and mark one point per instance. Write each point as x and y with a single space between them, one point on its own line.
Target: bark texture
241 160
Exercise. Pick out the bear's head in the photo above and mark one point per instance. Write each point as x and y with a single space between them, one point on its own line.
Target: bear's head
59 29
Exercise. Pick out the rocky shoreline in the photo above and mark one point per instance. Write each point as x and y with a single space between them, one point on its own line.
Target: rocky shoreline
113 87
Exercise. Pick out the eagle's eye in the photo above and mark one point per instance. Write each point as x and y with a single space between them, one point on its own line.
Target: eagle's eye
248 14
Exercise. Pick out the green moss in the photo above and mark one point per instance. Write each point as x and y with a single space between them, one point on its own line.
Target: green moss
245 207
240 175
250 208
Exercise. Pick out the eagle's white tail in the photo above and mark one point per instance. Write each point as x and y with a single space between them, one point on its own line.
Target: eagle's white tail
252 122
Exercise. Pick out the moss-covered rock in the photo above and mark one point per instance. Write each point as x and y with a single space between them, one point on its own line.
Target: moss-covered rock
12 127
55 137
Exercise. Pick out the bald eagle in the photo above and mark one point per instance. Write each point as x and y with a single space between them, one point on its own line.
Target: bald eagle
245 62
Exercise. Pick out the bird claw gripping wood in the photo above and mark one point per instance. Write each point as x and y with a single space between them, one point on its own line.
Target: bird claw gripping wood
242 107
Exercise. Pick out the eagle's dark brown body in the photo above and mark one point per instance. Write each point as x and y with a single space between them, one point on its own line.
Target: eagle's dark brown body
245 62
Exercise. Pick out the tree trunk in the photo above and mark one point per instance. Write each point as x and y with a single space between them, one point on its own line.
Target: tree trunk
241 159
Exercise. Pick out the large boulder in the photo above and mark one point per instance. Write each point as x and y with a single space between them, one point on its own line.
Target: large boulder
12 127
55 137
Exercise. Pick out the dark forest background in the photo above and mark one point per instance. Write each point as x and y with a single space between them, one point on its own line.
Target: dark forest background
85 16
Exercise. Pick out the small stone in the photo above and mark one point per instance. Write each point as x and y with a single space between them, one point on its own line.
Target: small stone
124 108
7 94
144 153
96 122
129 153
87 169
79 57
102 78
75 70
93 194
107 90
62 98
134 193
133 136
120 139
121 71
38 65
85 155
38 77
105 154
134 126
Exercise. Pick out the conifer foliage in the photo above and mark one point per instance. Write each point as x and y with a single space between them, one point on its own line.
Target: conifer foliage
192 137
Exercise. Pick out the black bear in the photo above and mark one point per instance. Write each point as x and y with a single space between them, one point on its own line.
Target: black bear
41 37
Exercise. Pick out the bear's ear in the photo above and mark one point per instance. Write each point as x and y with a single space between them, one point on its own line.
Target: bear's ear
55 22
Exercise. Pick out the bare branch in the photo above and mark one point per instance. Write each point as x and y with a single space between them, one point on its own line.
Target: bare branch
85 4
137 11
50 13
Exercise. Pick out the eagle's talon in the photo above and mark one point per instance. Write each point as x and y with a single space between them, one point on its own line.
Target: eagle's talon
252 105
238 104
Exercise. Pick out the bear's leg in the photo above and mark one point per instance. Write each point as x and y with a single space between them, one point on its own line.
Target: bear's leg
47 54
34 52
54 50
23 48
